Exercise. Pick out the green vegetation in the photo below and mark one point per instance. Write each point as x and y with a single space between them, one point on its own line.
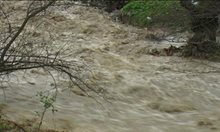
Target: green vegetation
154 13
4 126
47 101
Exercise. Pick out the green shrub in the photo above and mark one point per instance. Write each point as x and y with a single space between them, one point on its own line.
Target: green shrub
154 12
5 126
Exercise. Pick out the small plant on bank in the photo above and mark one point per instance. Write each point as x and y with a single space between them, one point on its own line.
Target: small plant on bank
47 102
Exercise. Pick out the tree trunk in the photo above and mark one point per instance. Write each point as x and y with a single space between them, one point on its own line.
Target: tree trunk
112 5
204 20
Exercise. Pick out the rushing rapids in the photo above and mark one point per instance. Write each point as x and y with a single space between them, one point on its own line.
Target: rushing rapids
144 93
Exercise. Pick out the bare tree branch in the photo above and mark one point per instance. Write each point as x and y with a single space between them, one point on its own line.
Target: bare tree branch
29 16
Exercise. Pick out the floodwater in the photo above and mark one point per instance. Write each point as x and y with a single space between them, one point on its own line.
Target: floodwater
143 93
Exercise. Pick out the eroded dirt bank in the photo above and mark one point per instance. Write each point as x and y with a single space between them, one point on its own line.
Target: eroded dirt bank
145 93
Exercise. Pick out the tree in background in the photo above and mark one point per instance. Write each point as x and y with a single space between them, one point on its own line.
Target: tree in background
204 22
107 5
112 5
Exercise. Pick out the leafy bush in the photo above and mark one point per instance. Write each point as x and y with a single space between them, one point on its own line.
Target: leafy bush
154 12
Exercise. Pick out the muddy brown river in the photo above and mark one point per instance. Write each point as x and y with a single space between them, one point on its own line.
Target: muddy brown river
144 93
